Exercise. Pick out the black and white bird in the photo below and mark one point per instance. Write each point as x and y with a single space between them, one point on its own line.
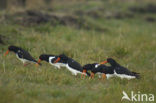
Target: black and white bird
100 69
73 66
51 59
121 71
21 54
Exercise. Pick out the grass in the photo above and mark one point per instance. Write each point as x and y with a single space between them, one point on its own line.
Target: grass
130 41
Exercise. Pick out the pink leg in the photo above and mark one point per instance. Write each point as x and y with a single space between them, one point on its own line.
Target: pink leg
25 64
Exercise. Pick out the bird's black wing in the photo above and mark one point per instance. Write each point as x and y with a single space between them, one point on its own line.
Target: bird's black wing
95 70
73 64
103 69
123 70
106 69
25 55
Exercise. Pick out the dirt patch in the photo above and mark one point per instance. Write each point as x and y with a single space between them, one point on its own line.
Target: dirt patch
150 8
36 17
94 12
119 15
30 18
150 19
102 13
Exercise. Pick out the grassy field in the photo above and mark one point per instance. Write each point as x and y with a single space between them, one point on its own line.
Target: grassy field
131 41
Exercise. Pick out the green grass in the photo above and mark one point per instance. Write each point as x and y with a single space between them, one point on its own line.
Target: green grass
132 42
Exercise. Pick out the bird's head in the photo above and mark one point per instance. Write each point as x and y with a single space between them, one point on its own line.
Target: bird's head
62 58
109 60
89 66
42 57
12 49
45 57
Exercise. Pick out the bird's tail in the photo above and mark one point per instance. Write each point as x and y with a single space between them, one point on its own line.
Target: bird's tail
137 75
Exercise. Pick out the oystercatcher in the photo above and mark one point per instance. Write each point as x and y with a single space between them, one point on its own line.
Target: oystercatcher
51 59
96 68
21 54
88 67
121 71
73 66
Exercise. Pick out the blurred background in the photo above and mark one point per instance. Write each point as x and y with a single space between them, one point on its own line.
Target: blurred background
82 14
78 13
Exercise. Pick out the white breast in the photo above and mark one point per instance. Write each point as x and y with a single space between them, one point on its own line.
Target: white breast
109 75
21 59
74 72
122 76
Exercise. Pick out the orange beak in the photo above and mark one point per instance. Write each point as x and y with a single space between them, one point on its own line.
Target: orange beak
38 62
6 52
57 60
104 62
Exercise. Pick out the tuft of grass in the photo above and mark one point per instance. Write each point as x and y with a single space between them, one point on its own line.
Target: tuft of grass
7 95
